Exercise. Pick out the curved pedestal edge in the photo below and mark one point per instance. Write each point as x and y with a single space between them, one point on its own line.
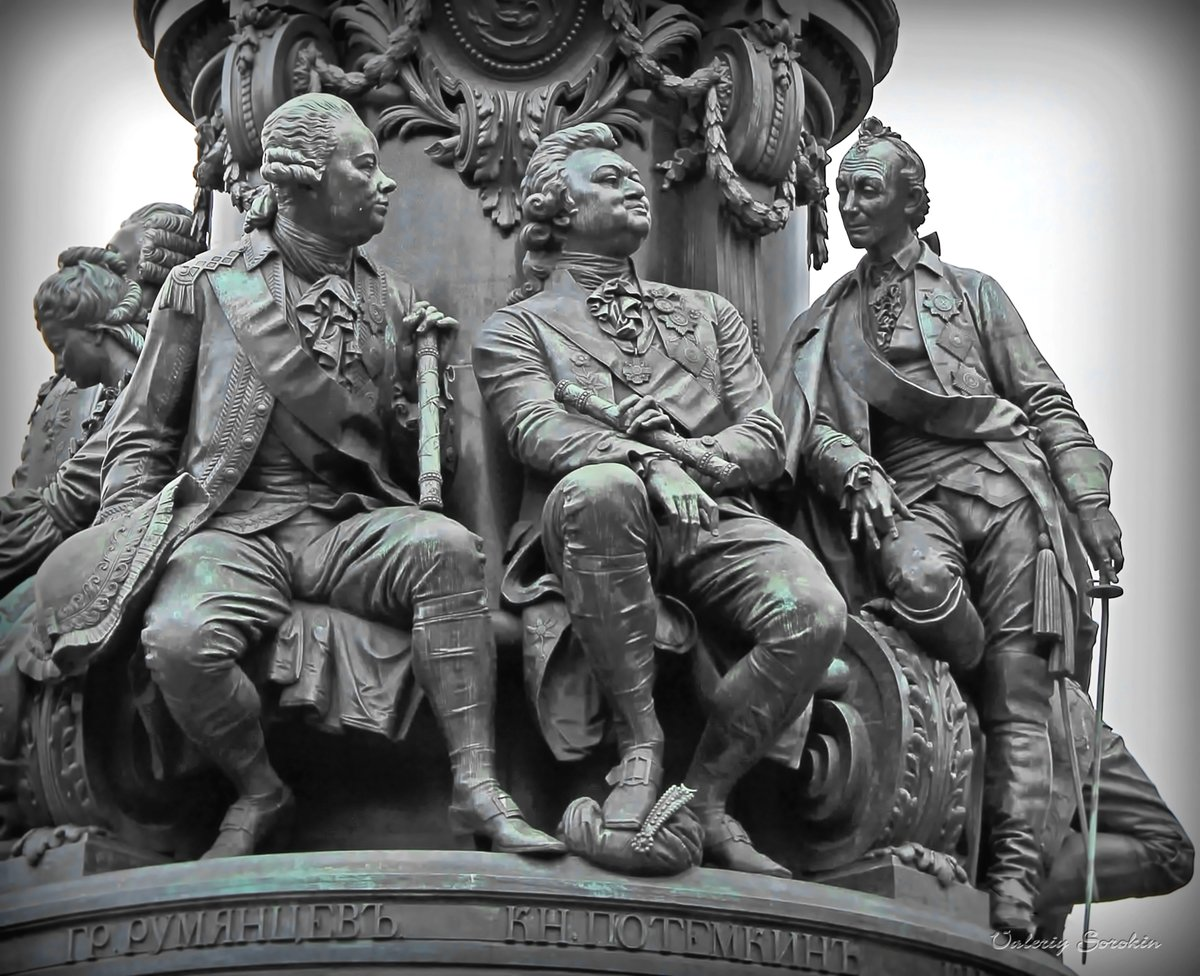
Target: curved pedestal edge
403 910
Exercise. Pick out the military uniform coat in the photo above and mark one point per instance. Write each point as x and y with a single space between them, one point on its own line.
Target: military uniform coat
221 358
703 372
996 389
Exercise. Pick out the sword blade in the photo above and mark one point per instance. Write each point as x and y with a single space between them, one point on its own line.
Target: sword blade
1093 816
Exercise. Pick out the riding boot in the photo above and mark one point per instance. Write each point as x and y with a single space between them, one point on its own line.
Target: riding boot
1122 871
221 715
454 659
1017 783
755 701
613 614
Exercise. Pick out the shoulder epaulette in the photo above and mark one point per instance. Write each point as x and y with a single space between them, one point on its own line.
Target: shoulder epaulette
178 291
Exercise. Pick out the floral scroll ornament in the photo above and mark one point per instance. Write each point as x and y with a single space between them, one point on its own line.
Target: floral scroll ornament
487 129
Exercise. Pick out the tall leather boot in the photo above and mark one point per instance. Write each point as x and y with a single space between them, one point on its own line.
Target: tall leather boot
755 701
1122 871
613 614
1017 784
454 659
220 712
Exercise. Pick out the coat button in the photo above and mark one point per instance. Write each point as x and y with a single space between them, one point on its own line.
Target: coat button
231 472
858 434
708 440
248 441
261 408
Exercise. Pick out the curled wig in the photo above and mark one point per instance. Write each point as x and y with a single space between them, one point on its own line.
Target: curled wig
545 200
298 139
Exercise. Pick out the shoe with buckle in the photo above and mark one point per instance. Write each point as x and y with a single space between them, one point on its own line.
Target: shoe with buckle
250 822
727 845
492 817
636 782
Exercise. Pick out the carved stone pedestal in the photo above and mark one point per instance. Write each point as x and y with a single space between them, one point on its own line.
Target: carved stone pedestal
94 854
456 912
891 878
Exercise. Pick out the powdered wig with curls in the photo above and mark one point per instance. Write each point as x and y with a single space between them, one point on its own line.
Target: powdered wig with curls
545 200
298 139
167 241
912 167
90 291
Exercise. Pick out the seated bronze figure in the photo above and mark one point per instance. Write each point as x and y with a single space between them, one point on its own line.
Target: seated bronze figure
614 521
260 457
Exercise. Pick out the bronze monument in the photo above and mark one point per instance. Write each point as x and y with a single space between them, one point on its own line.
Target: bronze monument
779 668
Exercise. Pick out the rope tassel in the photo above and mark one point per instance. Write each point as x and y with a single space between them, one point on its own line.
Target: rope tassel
1048 622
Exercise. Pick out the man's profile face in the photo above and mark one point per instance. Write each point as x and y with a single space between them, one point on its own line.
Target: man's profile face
873 197
351 201
612 213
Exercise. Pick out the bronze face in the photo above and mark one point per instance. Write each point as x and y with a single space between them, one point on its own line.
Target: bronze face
78 350
350 203
128 242
875 202
612 213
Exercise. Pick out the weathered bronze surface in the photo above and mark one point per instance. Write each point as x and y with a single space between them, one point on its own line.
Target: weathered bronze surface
610 513
917 403
561 501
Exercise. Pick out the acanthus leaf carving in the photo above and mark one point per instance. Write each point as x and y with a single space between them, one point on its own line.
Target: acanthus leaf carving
487 130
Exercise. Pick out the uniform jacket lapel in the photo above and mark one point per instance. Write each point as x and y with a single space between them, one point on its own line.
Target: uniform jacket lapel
688 399
252 302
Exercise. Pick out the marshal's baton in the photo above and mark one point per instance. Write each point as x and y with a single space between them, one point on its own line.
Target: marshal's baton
1106 591
708 463
429 421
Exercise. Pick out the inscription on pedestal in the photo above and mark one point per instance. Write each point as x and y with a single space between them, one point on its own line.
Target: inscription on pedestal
515 924
210 927
668 934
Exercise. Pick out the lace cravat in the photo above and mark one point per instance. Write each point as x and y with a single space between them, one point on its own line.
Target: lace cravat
887 300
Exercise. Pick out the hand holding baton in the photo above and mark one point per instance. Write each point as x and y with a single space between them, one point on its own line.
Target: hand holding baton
708 463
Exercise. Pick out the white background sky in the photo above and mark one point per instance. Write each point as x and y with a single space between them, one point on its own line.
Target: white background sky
1059 141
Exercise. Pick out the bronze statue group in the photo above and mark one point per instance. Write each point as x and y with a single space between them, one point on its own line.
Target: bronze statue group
252 463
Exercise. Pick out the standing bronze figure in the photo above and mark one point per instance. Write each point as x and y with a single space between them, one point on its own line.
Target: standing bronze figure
616 524
916 399
260 455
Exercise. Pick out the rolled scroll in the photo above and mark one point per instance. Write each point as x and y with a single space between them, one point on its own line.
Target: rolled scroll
708 463
429 422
